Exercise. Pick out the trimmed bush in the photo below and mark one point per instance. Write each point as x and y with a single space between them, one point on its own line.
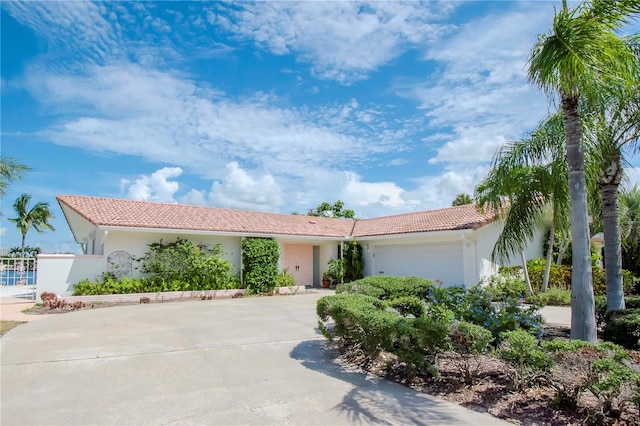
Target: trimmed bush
260 264
407 305
553 297
520 350
630 302
470 341
623 328
385 287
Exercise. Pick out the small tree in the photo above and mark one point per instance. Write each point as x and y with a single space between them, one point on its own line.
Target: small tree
335 210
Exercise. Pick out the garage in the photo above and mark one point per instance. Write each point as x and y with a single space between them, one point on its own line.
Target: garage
436 261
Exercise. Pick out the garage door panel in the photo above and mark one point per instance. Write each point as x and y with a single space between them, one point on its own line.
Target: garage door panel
442 262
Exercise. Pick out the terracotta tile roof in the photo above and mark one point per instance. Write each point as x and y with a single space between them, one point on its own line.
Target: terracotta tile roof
144 214
446 219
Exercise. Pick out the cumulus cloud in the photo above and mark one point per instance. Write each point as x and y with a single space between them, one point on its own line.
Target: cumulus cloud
239 189
154 187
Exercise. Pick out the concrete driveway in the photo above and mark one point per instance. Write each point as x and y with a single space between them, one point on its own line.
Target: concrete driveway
254 360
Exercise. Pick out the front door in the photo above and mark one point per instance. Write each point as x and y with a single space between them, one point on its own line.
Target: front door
298 260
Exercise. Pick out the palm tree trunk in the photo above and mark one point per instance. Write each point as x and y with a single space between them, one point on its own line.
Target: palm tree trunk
612 249
564 245
525 269
547 265
24 238
583 320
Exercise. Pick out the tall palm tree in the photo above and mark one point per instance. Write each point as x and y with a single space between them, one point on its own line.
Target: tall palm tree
582 57
36 218
462 199
609 128
531 173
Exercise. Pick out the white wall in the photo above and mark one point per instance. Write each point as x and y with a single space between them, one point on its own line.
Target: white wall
58 273
136 244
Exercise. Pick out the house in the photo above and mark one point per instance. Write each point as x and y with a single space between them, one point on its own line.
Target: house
452 245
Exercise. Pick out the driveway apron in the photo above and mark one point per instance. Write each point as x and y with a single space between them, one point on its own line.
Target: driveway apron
256 360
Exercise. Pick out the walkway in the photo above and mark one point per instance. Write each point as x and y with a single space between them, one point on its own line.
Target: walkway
234 361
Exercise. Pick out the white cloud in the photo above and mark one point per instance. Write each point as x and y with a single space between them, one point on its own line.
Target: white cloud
154 187
343 41
3 231
480 97
239 189
360 194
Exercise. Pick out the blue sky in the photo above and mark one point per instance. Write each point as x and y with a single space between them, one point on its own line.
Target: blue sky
391 107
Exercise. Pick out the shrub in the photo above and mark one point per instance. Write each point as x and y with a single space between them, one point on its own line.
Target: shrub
199 267
407 305
509 283
553 297
559 276
630 302
623 328
419 346
386 287
470 341
520 350
260 264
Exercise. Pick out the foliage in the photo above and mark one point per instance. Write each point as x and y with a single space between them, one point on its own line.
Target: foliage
507 284
471 342
198 267
10 171
623 328
335 210
553 297
260 264
336 270
353 261
36 218
462 199
407 305
629 213
363 321
389 287
520 350
286 279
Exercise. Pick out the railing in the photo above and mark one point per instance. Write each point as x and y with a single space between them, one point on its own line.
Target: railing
18 277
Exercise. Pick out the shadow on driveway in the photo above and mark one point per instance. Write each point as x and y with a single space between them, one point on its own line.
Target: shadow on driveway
376 400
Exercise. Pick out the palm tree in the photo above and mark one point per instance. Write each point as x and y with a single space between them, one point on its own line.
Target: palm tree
462 199
582 57
10 171
630 228
531 173
609 128
37 218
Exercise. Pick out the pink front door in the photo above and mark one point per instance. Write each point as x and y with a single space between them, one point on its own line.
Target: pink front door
298 260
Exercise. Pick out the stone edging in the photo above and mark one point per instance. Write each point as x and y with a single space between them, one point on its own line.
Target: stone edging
169 295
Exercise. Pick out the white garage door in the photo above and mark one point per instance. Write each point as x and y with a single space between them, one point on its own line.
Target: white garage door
441 261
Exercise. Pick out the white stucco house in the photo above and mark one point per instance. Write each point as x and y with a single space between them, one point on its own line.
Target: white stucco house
452 245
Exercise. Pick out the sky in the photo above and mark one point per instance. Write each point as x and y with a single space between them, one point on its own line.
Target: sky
391 107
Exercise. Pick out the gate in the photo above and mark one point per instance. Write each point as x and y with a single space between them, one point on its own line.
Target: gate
18 277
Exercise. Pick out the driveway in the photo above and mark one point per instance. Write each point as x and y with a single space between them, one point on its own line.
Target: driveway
254 360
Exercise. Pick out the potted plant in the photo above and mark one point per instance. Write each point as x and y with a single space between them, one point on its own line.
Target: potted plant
335 271
326 281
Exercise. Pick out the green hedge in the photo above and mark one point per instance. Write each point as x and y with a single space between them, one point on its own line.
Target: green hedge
109 285
260 264
630 302
623 328
385 287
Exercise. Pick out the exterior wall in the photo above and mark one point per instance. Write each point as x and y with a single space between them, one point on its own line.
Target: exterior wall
486 238
136 244
58 273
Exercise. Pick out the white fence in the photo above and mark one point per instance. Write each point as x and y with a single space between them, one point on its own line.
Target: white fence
18 277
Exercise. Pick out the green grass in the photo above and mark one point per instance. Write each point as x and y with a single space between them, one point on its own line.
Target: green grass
5 326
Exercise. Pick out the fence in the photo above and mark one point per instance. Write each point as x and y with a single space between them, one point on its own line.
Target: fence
18 277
